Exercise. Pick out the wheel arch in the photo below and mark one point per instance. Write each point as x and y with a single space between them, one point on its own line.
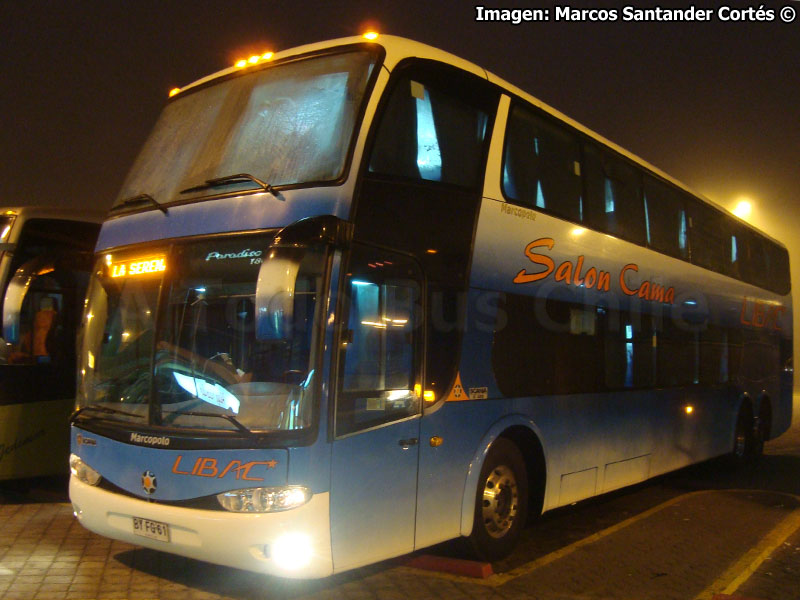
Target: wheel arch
527 437
764 412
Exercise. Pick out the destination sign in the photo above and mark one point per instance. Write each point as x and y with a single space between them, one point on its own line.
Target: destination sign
138 266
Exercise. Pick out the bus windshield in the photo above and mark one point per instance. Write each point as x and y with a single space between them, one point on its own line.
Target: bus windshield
171 337
291 123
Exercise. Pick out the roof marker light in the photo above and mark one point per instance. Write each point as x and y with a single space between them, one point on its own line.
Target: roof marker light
174 91
240 64
267 55
371 35
253 59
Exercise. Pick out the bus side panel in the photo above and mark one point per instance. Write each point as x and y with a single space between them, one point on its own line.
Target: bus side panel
443 469
614 432
34 438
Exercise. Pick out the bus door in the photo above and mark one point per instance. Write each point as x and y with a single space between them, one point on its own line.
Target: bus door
377 409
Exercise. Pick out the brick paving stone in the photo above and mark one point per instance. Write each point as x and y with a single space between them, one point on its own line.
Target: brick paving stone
778 577
43 550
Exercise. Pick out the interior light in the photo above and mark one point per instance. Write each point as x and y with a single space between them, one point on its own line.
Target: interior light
429 395
371 35
5 232
174 91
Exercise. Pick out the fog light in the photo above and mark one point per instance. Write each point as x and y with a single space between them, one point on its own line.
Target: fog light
292 551
83 471
264 499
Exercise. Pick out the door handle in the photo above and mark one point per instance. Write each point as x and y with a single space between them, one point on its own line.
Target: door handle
408 443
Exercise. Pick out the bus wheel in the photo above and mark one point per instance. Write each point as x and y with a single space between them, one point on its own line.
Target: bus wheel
744 438
762 429
501 502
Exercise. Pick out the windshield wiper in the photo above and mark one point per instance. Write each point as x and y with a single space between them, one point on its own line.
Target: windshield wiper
193 413
231 179
103 409
140 199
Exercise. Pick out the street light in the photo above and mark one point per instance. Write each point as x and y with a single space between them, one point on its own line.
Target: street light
743 209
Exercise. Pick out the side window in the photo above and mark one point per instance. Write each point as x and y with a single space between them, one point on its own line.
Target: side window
39 329
613 196
778 269
548 346
426 133
380 360
709 237
676 353
737 251
666 223
755 262
542 165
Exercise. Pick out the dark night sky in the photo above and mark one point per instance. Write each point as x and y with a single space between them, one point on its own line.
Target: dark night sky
717 105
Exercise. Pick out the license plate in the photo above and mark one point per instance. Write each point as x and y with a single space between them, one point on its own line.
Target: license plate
151 529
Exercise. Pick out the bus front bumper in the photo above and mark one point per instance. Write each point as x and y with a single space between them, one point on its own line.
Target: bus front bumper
294 543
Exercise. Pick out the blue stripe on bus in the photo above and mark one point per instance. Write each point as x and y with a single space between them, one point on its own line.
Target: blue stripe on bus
251 212
187 474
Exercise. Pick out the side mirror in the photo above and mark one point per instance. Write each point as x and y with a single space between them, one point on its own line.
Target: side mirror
275 294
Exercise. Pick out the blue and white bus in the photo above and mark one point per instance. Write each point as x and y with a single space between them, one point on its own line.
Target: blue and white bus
360 297
46 255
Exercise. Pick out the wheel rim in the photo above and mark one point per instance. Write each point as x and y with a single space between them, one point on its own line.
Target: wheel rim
741 444
500 501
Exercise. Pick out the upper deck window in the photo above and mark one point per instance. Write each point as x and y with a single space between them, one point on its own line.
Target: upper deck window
291 123
429 134
542 165
613 196
665 214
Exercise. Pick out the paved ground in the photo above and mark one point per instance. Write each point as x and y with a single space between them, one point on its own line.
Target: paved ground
698 534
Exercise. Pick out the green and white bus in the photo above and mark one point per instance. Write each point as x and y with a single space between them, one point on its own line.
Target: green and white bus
45 260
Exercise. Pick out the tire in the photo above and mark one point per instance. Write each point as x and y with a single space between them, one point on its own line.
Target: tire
501 502
744 442
762 429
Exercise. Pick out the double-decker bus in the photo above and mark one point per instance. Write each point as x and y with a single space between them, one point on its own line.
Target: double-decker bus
46 255
361 297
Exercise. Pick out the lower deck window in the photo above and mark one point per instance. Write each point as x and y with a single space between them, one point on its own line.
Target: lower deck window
558 346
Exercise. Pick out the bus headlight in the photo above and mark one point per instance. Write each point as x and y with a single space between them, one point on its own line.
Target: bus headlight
83 471
272 499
